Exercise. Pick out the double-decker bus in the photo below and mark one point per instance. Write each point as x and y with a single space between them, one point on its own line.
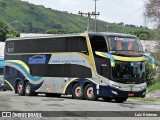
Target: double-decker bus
86 66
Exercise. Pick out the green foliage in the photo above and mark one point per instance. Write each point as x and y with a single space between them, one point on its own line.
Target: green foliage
6 32
3 31
36 18
153 87
142 34
150 74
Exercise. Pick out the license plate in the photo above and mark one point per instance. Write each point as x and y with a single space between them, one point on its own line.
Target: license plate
130 94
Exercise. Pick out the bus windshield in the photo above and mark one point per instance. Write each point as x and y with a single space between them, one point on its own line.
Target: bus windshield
124 45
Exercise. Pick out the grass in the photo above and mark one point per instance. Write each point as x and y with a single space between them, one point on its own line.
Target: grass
144 99
151 88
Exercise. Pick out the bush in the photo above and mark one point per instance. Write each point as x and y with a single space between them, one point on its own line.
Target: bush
151 76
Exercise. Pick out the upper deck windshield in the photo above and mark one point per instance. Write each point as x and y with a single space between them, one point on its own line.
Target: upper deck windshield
126 46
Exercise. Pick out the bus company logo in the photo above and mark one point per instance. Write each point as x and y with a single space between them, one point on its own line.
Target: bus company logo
37 59
124 39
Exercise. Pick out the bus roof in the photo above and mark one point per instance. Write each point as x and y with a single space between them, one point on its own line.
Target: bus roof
73 34
111 34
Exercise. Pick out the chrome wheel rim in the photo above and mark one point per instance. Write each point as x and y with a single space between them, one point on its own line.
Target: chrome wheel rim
78 91
27 89
90 93
20 88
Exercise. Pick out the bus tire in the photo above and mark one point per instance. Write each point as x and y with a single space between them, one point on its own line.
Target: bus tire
52 95
120 99
77 92
28 90
20 88
107 99
89 93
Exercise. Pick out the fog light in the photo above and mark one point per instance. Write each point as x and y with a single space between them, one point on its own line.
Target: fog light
114 92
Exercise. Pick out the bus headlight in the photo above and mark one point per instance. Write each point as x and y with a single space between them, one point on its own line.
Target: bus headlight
115 86
143 87
114 92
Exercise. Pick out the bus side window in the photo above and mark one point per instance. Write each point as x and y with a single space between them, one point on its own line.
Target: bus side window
10 47
77 44
98 43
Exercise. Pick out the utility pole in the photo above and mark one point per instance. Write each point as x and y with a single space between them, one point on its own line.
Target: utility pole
89 15
96 14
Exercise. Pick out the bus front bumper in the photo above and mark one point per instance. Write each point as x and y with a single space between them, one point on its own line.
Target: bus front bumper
108 91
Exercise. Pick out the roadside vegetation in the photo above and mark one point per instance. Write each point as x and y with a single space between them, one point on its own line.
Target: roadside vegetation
38 19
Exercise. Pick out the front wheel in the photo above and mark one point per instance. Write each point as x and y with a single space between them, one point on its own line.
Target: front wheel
89 93
120 99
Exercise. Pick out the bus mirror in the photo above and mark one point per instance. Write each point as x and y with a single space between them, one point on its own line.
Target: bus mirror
152 59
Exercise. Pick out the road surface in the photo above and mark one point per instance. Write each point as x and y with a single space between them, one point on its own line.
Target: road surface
13 102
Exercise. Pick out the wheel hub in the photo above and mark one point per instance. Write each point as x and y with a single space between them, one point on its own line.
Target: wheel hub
19 88
90 92
78 91
27 89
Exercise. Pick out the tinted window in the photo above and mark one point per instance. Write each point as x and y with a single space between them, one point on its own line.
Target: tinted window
98 43
64 44
76 44
60 70
10 47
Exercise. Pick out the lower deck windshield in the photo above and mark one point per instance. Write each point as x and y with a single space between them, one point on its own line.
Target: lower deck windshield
129 72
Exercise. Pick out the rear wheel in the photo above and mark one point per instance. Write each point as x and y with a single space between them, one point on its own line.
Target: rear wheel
77 92
107 99
89 93
120 99
52 95
28 90
20 88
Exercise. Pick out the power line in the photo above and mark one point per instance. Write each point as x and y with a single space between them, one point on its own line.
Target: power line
131 13
109 4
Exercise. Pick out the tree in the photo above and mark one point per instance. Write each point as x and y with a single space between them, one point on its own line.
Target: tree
152 10
152 13
3 32
141 34
6 32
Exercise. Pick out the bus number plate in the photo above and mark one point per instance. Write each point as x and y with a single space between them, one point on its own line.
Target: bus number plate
130 94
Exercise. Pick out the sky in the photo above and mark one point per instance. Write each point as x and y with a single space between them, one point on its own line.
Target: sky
127 11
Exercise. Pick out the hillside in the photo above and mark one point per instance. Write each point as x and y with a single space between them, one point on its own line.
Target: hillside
38 19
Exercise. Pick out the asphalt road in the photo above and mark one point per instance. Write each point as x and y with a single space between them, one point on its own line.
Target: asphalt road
13 102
